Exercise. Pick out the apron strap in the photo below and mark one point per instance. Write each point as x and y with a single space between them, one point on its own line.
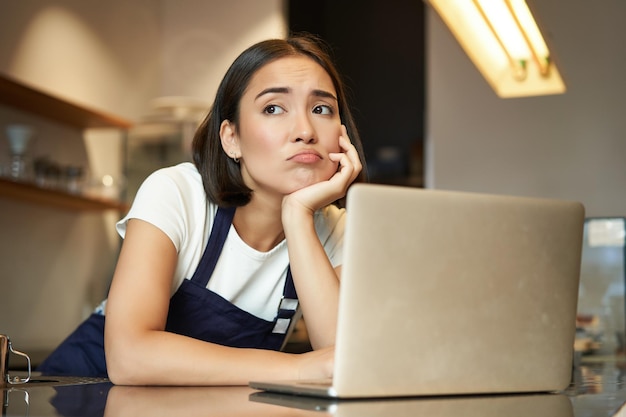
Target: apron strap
287 307
219 232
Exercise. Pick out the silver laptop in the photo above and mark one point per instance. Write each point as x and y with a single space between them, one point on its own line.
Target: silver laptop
514 405
447 293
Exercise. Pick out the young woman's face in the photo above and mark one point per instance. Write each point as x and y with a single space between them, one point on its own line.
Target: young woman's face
289 122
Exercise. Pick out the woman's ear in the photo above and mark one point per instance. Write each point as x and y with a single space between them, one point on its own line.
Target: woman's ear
228 137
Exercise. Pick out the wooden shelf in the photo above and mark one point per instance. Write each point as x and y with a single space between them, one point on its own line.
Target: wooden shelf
24 97
14 93
56 198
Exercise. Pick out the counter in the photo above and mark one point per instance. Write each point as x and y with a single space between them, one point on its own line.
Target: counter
597 390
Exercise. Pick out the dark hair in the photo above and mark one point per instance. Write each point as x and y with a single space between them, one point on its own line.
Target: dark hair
221 175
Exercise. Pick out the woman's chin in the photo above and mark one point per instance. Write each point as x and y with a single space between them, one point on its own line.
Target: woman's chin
307 181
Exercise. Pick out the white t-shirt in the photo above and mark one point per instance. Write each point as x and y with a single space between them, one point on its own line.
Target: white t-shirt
173 199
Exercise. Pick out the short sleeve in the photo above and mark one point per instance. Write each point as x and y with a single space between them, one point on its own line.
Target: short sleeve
169 199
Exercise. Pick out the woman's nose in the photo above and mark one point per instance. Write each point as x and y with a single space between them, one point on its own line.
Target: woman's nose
304 130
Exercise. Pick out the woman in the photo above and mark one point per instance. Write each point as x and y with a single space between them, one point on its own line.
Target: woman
219 255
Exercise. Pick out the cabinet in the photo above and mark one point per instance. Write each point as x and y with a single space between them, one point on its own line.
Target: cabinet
16 94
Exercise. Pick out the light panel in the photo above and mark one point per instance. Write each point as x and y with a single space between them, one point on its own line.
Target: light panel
503 40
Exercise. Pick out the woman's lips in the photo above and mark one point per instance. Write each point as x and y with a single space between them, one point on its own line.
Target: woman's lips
306 157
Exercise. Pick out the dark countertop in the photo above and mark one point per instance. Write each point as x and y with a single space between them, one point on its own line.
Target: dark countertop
597 390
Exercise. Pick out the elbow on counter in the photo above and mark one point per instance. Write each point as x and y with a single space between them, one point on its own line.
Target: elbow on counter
125 365
121 372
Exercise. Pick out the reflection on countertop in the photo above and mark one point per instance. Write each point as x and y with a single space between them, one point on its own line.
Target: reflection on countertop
597 390
598 386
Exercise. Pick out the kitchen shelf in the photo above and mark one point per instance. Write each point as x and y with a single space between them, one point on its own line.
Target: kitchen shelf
31 193
24 97
21 96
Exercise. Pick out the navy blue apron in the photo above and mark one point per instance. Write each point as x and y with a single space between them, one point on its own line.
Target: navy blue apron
194 311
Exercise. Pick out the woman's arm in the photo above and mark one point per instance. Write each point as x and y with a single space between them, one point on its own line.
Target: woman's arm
317 283
139 351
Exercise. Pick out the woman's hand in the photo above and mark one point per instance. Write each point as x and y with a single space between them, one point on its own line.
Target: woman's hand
323 193
317 364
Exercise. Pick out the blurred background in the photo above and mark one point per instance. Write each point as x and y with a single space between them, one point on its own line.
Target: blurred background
139 74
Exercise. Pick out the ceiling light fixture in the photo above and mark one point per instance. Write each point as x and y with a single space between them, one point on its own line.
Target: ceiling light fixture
503 40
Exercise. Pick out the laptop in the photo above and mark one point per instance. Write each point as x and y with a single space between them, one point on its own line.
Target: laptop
452 293
512 405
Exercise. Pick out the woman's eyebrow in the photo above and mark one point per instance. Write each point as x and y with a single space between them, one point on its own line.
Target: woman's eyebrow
286 90
324 94
282 90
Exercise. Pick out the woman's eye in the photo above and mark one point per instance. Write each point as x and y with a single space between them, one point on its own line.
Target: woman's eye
323 109
273 109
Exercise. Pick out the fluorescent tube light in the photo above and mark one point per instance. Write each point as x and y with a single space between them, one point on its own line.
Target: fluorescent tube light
503 40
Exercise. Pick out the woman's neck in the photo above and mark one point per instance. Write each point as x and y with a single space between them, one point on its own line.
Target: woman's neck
259 225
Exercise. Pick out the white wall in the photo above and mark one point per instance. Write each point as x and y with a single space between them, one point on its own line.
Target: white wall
570 146
202 38
100 54
115 56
